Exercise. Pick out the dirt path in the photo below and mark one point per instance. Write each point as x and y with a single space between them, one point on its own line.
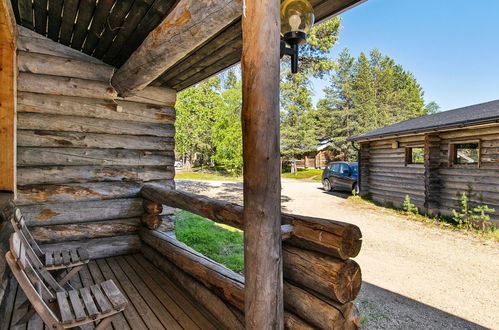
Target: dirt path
415 276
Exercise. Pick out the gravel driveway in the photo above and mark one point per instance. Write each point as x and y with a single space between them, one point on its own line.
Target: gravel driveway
415 276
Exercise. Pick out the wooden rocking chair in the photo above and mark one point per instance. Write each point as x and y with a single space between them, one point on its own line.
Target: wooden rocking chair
59 308
57 260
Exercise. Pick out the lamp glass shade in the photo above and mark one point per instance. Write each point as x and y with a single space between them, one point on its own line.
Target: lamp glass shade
296 16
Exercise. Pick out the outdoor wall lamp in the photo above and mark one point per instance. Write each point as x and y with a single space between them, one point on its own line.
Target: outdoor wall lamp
297 17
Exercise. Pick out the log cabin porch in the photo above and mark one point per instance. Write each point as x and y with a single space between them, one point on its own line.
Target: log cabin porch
155 302
88 151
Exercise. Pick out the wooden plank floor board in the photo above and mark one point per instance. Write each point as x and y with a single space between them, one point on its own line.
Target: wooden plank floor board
155 302
119 321
196 313
161 292
132 316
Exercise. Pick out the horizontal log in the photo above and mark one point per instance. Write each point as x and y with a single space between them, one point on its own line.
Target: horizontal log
220 280
77 156
228 285
39 138
332 237
79 192
74 174
86 230
63 66
321 314
55 85
31 41
94 108
80 212
335 238
35 121
293 322
101 247
339 280
230 318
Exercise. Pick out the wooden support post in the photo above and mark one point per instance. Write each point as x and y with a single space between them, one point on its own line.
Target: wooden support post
432 178
7 97
262 186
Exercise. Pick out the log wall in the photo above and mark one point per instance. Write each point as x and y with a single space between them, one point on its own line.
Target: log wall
83 153
390 180
439 181
483 179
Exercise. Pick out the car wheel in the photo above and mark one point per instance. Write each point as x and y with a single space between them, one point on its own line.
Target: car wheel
356 188
327 185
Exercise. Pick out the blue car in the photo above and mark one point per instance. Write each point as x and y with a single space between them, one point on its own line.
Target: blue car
341 176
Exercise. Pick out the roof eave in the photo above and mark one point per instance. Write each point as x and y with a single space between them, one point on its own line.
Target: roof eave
423 131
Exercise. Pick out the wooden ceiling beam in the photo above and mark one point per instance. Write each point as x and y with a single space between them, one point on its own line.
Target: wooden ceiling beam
189 25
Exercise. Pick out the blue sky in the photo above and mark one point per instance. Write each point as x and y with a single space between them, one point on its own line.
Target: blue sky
451 46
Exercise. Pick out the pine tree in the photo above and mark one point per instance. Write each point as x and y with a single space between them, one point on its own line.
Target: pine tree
297 112
364 94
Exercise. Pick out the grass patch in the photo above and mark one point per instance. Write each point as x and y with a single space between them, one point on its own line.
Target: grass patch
221 243
206 176
305 174
439 221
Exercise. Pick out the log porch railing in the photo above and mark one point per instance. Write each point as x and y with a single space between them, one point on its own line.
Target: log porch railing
320 280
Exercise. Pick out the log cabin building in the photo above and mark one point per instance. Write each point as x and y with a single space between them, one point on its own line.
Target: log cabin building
87 103
433 159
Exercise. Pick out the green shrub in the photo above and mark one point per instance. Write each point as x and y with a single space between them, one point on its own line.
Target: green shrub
408 207
471 214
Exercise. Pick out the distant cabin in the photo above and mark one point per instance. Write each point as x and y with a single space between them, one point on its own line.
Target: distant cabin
433 159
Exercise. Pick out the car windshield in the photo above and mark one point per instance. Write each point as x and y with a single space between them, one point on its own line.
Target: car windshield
354 168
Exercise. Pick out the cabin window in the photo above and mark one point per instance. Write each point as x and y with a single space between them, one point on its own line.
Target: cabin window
465 153
414 155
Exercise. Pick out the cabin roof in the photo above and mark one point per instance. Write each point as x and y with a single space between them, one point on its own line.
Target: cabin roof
111 30
471 115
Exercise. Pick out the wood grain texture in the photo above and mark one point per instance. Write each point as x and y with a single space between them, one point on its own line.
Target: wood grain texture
105 157
262 169
95 108
73 174
56 85
64 67
80 212
39 138
8 79
201 293
186 27
80 192
32 42
155 15
59 123
101 247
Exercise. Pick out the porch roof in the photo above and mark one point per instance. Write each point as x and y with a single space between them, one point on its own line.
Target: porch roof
111 30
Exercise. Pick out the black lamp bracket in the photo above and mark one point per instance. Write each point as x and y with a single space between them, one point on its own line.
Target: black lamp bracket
290 43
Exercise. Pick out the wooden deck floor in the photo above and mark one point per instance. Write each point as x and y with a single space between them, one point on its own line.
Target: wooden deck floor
155 302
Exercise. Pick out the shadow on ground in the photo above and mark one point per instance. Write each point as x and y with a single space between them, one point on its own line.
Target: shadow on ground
383 309
340 194
228 191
